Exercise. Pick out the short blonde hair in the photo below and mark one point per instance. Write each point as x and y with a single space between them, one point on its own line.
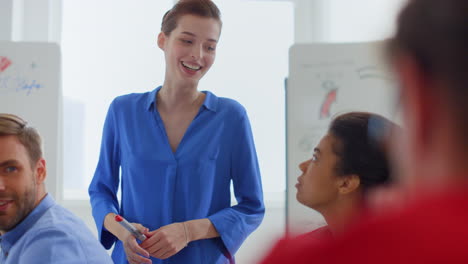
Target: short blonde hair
28 136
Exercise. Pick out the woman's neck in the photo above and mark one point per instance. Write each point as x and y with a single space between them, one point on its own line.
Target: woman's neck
342 214
178 97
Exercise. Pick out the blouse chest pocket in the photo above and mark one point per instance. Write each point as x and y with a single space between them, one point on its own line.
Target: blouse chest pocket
200 156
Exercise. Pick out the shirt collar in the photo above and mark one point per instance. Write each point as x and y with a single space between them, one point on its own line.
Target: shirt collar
210 103
10 237
151 98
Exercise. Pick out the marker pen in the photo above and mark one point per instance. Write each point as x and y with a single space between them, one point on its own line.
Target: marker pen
135 232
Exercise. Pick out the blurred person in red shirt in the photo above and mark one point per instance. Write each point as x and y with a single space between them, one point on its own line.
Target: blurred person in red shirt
429 54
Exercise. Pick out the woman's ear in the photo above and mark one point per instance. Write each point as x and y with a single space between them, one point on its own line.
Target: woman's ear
161 40
348 183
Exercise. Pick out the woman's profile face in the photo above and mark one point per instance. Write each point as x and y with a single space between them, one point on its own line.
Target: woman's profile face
190 49
318 184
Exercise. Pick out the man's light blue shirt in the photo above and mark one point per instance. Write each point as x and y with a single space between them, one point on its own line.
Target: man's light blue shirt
51 234
160 186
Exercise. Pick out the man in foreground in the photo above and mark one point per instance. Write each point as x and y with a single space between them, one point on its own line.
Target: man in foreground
430 56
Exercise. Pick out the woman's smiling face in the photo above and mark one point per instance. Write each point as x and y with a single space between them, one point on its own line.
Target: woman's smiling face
190 49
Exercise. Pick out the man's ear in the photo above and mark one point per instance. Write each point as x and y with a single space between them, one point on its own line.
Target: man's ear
348 183
41 171
416 93
161 40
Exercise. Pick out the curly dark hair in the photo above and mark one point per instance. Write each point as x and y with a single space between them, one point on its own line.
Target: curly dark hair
359 151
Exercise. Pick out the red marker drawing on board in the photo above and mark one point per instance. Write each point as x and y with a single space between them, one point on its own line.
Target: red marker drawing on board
330 98
133 230
4 63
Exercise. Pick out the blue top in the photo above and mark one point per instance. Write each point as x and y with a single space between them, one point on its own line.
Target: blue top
51 234
160 187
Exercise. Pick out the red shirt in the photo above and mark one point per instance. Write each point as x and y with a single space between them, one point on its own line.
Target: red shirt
431 230
321 234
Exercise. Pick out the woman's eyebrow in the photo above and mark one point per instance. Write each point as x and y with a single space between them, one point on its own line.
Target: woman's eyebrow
193 35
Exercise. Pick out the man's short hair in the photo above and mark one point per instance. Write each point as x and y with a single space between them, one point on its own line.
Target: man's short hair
28 136
435 34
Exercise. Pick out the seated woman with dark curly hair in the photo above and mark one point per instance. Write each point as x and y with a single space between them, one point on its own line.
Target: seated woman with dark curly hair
348 162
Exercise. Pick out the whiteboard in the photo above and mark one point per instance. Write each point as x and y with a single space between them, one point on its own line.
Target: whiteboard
326 79
30 88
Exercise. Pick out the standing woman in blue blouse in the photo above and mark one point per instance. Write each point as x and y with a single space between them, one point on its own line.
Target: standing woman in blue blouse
177 150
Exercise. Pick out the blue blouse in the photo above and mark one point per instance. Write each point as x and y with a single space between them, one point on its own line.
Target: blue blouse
160 187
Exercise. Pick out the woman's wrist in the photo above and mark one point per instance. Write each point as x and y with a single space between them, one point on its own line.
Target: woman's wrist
112 226
200 229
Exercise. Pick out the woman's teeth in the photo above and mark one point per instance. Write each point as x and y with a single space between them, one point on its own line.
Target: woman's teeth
191 67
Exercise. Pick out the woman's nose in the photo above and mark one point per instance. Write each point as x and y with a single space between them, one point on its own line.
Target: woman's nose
197 52
303 166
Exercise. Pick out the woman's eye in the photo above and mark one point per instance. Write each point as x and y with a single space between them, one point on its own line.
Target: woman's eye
186 41
314 158
211 48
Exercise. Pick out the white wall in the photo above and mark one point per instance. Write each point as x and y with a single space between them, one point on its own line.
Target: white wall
30 20
344 20
6 13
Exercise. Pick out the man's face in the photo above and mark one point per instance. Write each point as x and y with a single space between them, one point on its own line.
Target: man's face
18 182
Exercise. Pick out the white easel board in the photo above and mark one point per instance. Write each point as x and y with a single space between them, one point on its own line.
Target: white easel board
326 79
30 87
